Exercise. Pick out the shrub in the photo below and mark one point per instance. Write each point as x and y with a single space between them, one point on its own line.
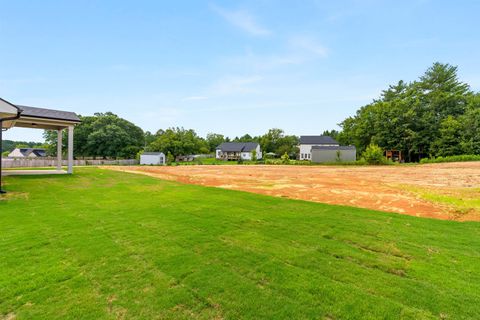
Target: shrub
285 158
170 159
338 156
373 154
139 153
459 158
254 155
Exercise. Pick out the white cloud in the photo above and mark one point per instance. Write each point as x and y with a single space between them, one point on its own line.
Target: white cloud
308 44
235 84
243 20
156 117
298 50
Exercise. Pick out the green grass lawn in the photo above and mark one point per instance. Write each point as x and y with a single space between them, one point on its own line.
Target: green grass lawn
111 245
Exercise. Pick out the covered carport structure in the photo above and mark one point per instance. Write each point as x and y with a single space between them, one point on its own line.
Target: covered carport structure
12 115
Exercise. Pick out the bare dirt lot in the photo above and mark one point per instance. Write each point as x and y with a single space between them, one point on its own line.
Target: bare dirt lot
442 191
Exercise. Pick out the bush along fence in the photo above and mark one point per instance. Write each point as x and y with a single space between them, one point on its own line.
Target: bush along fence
460 158
34 163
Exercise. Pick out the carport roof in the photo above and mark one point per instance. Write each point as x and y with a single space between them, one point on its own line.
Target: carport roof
33 117
34 112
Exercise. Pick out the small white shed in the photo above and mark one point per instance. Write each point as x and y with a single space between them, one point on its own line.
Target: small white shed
152 158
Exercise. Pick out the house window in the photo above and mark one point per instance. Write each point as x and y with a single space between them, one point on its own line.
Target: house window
309 156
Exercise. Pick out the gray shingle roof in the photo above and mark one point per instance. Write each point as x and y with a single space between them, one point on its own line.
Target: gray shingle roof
333 148
48 113
317 140
237 146
38 152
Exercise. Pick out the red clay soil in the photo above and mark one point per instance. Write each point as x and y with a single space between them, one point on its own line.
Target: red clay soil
384 188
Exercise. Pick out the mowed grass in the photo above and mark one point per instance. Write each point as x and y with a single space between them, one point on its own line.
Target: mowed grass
109 245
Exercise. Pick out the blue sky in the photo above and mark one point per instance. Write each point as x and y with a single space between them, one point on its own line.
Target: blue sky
230 67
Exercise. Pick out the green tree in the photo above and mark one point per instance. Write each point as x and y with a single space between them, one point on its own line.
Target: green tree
102 135
373 154
214 140
471 126
411 117
270 140
331 133
450 133
149 138
245 138
178 141
277 142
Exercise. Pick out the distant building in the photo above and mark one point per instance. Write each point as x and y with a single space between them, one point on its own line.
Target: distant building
238 151
322 154
185 158
152 158
307 142
325 149
27 153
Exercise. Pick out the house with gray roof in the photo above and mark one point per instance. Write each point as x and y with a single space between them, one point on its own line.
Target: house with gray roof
27 153
307 142
238 151
324 149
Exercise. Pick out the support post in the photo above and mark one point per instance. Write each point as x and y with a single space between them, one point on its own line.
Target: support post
59 149
1 157
70 149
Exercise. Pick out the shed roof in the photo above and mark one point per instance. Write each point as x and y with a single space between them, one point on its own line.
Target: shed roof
153 153
333 148
237 146
317 140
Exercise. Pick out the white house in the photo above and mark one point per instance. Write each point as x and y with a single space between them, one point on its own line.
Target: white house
307 142
238 151
27 153
152 158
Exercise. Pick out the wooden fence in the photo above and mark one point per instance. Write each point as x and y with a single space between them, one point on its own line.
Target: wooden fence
51 162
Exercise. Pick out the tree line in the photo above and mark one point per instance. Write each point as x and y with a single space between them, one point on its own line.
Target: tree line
436 115
179 141
106 135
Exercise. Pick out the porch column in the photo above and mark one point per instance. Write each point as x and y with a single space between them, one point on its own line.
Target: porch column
70 149
59 149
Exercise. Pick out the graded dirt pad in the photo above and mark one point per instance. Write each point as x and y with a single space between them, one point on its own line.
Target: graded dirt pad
385 188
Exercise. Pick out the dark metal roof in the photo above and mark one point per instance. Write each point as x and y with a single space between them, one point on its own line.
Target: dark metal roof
317 140
43 113
333 148
238 146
